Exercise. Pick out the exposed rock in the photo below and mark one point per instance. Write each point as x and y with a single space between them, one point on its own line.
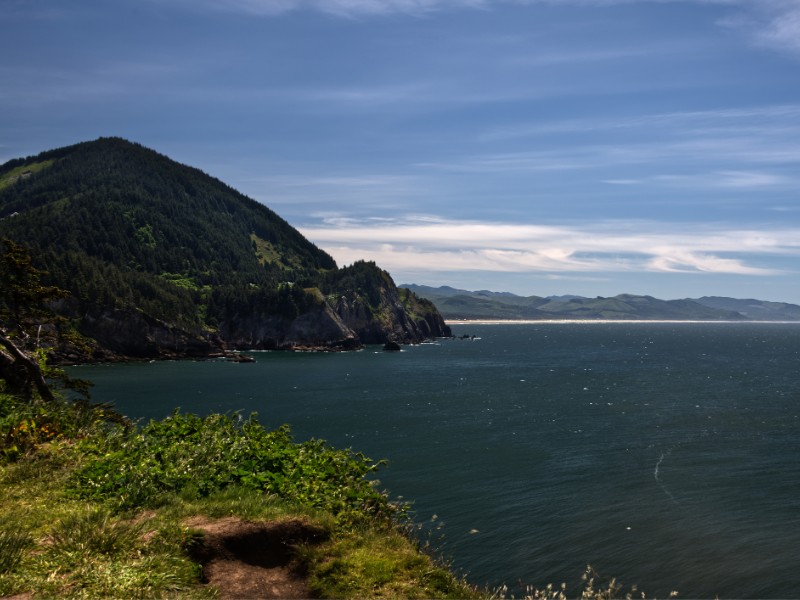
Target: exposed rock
320 328
137 335
388 313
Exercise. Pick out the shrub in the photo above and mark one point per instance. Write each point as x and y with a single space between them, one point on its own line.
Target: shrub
24 424
194 456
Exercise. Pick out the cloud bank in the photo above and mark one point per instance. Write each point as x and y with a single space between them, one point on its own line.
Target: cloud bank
436 245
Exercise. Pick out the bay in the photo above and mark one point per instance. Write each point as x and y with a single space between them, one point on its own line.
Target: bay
664 454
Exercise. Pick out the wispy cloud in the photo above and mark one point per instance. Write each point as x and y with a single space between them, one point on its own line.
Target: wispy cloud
733 148
695 155
769 23
434 244
357 8
730 180
343 8
763 120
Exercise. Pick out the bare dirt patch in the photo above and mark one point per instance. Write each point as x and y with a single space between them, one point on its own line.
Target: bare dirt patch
244 559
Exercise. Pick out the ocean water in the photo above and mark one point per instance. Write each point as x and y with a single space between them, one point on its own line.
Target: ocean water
664 454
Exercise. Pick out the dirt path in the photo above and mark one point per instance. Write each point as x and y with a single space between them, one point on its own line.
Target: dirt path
243 559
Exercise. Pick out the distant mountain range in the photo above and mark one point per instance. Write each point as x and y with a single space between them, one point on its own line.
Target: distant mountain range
483 304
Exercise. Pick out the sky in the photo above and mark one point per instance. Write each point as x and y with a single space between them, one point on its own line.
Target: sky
590 147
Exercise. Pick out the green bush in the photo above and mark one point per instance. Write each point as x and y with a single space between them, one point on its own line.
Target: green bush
194 456
24 425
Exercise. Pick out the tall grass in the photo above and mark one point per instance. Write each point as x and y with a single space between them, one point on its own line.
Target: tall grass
12 547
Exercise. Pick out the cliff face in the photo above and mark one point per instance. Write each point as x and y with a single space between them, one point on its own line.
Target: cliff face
390 321
368 302
319 328
116 334
113 334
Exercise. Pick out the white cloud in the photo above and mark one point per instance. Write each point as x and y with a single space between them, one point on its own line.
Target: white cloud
770 23
733 180
783 30
610 247
621 181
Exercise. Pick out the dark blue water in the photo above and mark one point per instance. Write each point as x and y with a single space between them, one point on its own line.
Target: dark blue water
667 455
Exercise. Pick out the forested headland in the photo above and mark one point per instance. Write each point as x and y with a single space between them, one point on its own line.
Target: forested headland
162 260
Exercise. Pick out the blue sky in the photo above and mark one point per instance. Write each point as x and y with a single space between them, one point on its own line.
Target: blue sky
589 147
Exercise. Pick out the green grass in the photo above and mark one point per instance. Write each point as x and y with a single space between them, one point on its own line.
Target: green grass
267 253
17 173
102 512
380 564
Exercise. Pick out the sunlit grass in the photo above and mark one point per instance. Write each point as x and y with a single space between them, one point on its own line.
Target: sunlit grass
381 563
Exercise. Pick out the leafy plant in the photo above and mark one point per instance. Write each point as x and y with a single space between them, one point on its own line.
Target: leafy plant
25 425
194 456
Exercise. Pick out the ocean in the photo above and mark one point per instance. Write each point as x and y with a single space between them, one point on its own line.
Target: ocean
666 455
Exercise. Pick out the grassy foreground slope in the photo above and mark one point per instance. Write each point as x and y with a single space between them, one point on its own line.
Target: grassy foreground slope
95 509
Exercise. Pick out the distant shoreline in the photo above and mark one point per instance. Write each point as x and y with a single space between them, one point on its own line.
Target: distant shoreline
590 321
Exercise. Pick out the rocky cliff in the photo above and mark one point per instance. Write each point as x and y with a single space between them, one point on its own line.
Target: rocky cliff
367 300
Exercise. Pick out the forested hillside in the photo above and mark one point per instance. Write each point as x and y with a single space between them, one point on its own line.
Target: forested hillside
161 259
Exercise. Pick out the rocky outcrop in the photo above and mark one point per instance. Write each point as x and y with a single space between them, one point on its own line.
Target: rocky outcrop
134 334
374 311
378 314
319 328
119 334
390 314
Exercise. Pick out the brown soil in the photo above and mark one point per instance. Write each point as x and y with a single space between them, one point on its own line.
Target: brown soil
243 559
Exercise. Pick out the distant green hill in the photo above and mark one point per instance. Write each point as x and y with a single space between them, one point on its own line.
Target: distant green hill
464 304
162 259
757 310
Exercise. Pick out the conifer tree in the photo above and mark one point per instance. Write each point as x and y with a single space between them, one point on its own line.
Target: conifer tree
23 312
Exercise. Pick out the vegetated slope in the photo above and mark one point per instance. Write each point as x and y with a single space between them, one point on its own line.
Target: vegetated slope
161 259
464 304
757 310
